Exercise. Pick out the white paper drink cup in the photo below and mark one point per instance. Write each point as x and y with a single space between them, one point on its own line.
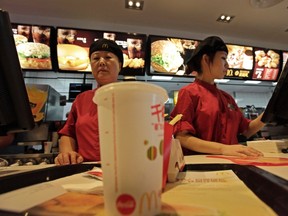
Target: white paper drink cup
131 129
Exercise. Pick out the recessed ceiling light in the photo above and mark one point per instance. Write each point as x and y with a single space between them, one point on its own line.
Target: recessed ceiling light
225 18
134 4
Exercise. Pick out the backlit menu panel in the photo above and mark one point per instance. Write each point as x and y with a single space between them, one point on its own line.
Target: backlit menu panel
167 55
73 49
285 58
34 46
240 60
267 64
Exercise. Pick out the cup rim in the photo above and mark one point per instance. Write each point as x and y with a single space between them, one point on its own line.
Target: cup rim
132 85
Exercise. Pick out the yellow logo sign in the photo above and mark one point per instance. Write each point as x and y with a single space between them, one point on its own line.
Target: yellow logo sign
149 197
105 46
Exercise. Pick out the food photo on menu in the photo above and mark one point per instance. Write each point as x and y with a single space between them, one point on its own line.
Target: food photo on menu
73 49
240 57
134 51
285 58
167 54
33 46
134 56
240 61
267 64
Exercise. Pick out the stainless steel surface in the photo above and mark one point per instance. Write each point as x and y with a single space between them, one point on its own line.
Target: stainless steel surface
26 159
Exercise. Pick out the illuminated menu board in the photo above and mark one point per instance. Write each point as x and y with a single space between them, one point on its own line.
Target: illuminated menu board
34 47
267 64
285 58
240 60
73 49
167 55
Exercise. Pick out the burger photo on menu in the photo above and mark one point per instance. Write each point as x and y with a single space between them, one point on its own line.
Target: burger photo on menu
34 55
72 57
19 39
33 46
165 56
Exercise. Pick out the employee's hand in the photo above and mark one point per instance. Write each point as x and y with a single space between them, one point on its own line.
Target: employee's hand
241 151
66 158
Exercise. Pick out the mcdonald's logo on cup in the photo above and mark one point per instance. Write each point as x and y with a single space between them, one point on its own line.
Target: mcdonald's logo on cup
149 199
131 155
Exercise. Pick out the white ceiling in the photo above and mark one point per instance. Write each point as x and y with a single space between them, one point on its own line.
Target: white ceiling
195 19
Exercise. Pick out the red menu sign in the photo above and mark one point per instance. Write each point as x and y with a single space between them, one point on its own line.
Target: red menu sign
267 64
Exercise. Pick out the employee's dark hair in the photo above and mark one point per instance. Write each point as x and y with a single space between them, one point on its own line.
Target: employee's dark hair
208 46
106 45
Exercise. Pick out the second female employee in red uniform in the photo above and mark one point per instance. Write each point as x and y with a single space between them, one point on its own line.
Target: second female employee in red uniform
80 137
211 118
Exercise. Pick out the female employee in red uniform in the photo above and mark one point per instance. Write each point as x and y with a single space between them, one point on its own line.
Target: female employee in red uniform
211 118
6 140
80 137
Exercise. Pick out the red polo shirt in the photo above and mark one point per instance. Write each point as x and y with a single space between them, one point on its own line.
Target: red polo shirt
82 125
209 113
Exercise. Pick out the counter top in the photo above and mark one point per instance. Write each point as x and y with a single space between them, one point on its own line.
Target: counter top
60 184
278 170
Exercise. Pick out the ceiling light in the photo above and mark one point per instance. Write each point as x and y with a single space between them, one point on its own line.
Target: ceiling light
225 18
252 82
134 4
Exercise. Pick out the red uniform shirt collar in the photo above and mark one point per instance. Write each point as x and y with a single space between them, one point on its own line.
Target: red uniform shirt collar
209 86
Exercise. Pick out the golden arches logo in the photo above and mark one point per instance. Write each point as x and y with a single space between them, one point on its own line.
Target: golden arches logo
148 197
105 46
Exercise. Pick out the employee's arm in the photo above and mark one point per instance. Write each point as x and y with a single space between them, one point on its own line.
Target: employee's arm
6 140
68 152
254 126
195 144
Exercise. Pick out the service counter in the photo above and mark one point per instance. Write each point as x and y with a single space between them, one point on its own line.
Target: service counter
274 169
258 190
